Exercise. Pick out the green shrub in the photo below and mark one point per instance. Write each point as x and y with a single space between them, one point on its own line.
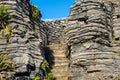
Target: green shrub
5 66
35 77
34 12
8 29
4 12
44 65
4 63
8 32
4 16
50 76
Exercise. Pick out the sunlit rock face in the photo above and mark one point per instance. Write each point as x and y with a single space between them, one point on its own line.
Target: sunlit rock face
90 33
55 29
92 24
26 43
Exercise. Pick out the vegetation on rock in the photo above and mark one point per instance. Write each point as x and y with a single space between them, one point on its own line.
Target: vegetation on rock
44 65
35 77
4 64
50 76
4 17
34 12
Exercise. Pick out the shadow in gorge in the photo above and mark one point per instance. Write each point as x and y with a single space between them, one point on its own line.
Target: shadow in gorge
49 57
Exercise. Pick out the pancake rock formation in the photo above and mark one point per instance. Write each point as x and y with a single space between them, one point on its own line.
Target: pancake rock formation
83 46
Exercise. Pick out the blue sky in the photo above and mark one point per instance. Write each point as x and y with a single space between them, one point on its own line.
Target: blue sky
53 8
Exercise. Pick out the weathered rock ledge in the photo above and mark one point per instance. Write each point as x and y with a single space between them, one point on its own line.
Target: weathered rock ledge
89 35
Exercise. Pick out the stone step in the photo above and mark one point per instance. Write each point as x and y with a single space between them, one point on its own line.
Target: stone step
54 62
58 59
62 78
58 52
63 75
60 64
60 73
56 45
60 67
56 48
56 70
59 56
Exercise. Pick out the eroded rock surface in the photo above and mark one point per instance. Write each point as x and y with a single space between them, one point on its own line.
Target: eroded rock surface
26 43
90 35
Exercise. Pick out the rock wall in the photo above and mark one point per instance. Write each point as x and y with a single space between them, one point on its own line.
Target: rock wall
55 28
116 19
90 31
90 34
26 43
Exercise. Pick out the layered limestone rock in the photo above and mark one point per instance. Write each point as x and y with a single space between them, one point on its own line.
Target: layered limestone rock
27 40
55 29
89 38
116 20
90 35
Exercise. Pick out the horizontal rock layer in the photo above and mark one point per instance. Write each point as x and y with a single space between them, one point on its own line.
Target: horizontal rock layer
92 25
90 35
25 46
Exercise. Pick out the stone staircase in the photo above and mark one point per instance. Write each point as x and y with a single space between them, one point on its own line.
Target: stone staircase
58 62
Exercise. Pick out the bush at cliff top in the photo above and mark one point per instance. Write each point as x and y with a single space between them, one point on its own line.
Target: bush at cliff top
34 12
